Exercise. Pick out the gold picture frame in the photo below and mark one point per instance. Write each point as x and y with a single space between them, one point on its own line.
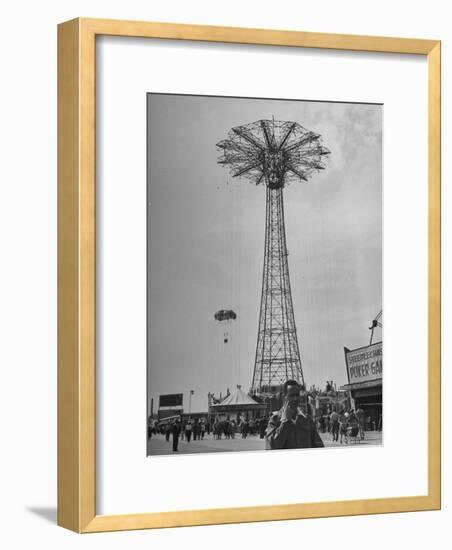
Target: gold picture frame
77 264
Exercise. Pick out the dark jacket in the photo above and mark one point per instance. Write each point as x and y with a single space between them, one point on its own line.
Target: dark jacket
175 430
286 434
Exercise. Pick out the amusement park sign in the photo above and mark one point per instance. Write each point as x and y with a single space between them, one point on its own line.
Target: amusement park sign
364 364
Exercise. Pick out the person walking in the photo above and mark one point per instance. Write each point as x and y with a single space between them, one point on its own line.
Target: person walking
343 425
167 431
188 431
233 428
262 427
217 429
335 425
244 429
380 422
175 430
196 430
227 429
361 421
251 426
353 426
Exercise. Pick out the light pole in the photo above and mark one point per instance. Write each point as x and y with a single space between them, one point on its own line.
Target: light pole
189 404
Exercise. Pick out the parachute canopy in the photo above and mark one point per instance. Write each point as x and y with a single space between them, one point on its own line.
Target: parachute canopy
225 315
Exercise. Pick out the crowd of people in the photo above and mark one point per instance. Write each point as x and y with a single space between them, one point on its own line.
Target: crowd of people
343 427
290 427
347 425
198 429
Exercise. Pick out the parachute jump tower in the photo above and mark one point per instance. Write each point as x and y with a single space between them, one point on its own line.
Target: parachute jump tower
274 153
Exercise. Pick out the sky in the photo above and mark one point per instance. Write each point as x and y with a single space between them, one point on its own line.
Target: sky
206 243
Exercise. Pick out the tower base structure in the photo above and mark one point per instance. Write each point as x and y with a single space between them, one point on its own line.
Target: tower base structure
277 356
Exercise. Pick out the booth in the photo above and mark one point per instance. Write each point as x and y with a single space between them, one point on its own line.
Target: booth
238 405
365 382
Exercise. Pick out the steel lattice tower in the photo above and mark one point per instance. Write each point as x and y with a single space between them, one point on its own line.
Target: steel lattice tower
274 153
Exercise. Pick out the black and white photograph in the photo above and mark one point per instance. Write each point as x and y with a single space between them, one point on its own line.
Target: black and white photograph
264 274
214 216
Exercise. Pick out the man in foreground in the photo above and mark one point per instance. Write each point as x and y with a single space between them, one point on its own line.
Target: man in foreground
290 428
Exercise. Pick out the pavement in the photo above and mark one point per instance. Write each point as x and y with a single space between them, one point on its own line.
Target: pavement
157 445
